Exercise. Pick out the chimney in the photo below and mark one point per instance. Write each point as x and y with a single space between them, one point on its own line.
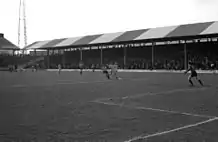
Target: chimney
1 35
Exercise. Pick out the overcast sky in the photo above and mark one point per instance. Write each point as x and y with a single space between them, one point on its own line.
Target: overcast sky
51 19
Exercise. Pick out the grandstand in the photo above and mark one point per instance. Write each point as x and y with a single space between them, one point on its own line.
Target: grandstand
157 48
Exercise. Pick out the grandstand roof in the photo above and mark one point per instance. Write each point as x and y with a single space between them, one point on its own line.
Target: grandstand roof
198 29
6 44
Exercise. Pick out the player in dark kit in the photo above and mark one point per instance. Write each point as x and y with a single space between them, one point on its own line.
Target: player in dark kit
193 74
213 68
105 71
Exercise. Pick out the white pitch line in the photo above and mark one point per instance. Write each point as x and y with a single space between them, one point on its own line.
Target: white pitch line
176 112
155 109
212 118
164 92
171 131
153 94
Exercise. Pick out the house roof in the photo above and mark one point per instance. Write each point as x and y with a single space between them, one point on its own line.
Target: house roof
7 45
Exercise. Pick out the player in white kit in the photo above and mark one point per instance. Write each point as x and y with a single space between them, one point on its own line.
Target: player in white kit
114 70
59 69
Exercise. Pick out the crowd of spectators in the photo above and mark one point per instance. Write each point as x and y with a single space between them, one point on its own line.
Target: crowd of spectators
201 63
17 60
158 64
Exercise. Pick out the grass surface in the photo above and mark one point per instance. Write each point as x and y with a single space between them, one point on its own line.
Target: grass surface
44 107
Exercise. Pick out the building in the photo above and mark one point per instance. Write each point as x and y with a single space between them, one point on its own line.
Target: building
7 47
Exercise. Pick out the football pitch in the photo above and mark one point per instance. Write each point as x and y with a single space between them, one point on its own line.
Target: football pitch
141 107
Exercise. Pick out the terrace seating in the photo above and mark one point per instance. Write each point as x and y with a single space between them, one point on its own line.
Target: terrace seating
21 61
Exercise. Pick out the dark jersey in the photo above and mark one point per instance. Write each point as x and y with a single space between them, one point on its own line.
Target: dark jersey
192 70
104 69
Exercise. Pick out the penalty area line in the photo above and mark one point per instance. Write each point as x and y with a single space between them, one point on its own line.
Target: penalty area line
154 94
142 137
164 92
154 109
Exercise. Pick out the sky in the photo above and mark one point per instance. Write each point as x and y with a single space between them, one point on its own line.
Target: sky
53 19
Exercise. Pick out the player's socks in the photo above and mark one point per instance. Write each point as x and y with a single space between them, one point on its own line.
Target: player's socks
190 81
200 82
108 76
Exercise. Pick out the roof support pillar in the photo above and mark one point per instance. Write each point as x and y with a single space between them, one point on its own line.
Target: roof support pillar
13 52
152 54
101 60
185 55
53 51
63 57
48 59
125 55
34 52
81 54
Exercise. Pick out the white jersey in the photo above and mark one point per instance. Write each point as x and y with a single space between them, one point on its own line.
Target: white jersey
81 65
59 66
212 65
114 68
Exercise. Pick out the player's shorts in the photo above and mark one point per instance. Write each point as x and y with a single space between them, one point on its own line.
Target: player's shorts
194 74
114 72
105 72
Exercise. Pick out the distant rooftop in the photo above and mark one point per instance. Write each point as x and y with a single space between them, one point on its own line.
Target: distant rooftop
6 44
1 35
